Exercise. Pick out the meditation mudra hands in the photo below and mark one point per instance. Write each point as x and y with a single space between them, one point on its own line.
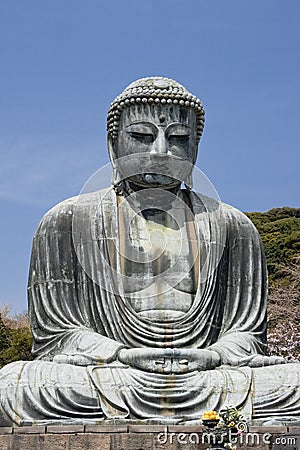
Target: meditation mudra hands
169 361
177 361
165 361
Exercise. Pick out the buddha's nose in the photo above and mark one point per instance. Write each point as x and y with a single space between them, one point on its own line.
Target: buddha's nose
160 145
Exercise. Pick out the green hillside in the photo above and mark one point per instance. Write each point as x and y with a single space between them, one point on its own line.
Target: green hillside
279 229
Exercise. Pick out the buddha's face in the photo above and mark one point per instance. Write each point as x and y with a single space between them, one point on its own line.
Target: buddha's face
165 133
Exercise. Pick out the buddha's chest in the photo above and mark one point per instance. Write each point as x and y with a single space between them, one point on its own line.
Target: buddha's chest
159 265
159 242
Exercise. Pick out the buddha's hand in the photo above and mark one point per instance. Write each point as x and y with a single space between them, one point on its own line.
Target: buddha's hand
190 359
77 359
254 361
169 361
262 361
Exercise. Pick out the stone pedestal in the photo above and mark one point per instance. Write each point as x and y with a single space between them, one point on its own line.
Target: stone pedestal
139 437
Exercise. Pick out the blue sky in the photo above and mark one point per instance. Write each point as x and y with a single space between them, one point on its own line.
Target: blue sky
63 62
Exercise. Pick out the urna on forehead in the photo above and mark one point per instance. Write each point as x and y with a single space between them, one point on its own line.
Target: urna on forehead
154 91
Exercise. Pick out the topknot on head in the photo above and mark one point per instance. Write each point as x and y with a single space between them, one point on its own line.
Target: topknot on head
154 90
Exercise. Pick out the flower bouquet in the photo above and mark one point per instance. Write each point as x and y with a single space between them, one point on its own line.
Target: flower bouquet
233 418
224 425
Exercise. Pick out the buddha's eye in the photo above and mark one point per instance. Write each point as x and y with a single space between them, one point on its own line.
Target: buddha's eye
178 138
145 138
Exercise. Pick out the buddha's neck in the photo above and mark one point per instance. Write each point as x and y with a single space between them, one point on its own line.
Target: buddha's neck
132 186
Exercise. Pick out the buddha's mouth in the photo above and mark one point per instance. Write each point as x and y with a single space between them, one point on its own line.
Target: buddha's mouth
154 170
151 179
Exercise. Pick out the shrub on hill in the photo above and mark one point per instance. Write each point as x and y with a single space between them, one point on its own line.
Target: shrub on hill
279 229
15 337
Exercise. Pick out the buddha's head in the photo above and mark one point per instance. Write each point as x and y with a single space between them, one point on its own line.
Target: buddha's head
155 124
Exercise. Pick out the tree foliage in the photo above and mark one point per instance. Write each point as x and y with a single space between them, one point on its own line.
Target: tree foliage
279 229
15 337
4 341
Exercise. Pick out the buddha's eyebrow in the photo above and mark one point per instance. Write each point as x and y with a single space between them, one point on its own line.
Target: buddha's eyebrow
178 124
141 122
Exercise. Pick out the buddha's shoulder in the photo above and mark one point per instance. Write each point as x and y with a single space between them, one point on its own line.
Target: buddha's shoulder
62 214
218 209
235 214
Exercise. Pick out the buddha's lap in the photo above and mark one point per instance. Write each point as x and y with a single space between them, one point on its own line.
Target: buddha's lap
36 374
276 377
39 390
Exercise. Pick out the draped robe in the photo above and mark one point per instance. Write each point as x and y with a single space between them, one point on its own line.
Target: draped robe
78 309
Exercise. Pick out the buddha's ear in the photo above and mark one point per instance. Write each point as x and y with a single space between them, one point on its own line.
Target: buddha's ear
112 149
111 144
195 153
